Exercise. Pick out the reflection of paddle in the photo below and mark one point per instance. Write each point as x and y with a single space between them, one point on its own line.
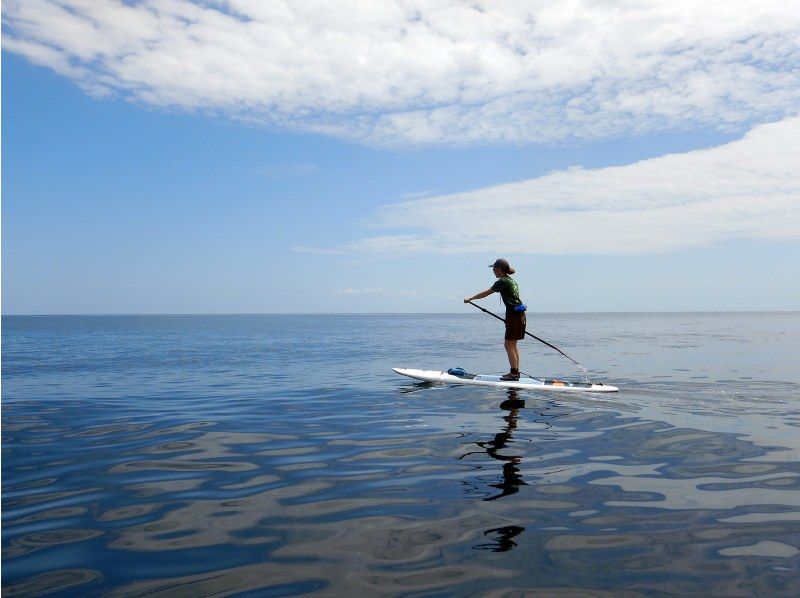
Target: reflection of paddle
486 311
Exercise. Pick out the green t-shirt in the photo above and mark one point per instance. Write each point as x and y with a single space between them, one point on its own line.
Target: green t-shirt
509 292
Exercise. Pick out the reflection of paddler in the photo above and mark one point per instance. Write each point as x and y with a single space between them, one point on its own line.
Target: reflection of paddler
504 540
512 479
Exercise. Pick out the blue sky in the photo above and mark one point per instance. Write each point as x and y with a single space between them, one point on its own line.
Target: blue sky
136 187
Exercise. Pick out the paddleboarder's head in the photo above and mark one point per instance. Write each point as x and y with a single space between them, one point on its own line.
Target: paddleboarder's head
502 265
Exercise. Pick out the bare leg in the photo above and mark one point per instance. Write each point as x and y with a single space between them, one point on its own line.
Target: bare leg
513 354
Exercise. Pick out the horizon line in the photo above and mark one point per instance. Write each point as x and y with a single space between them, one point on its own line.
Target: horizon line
398 313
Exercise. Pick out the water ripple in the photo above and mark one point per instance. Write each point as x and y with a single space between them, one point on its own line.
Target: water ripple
146 472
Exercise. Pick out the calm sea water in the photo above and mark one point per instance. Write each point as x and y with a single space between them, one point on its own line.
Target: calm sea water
280 455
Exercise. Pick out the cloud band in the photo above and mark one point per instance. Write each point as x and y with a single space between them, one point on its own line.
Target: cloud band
404 71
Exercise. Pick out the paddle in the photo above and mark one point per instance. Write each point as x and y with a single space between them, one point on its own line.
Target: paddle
486 311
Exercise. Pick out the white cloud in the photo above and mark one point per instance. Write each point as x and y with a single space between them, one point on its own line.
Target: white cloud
416 194
433 71
318 250
749 188
290 170
377 292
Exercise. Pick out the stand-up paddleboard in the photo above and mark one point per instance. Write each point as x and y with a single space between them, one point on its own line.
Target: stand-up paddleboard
543 384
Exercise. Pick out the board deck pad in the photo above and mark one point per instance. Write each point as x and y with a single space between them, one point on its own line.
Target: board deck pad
541 384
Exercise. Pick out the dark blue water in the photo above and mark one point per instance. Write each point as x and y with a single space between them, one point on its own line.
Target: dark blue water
280 455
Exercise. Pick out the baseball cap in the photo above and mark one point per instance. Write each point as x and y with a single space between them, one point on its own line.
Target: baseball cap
502 264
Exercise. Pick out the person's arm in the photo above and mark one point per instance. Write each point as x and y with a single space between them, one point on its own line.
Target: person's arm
480 295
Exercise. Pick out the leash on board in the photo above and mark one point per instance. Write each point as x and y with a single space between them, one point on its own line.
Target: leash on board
541 340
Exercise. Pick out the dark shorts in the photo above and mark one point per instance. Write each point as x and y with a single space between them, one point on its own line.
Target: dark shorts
515 325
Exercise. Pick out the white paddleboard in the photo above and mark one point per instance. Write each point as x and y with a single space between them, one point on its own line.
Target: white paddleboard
489 380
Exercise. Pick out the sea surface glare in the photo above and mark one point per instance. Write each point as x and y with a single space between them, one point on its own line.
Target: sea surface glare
280 455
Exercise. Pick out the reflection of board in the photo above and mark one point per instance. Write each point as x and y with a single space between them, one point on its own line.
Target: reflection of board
488 380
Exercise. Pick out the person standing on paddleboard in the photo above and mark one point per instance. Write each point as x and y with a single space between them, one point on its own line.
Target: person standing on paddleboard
515 312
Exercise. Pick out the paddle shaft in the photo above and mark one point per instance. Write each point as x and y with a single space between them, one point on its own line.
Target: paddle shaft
533 336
